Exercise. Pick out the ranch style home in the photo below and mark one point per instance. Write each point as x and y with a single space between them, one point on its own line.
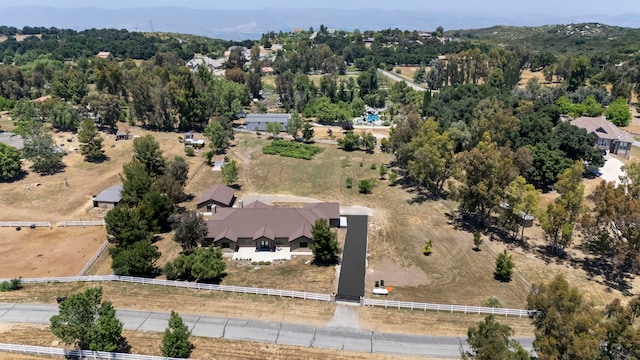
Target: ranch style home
267 228
609 137
215 196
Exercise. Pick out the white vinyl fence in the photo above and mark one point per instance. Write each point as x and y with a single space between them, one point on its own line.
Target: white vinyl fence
443 307
184 284
68 223
25 224
75 354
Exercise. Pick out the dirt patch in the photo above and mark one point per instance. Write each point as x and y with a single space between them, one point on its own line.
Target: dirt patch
395 274
44 252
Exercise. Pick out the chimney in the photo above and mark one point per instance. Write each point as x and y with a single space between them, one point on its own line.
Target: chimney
241 204
214 209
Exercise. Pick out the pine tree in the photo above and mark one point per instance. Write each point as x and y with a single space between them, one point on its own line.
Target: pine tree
325 243
175 342
90 141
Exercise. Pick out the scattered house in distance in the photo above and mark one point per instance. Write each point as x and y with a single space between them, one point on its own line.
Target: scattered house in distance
190 141
211 64
123 133
259 122
108 198
214 197
260 227
609 137
104 55
267 70
12 139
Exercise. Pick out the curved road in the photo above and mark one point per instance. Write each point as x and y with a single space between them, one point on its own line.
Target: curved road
340 338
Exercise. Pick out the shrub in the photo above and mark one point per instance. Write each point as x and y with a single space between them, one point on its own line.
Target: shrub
11 285
349 183
189 151
291 149
366 185
373 166
477 240
504 266
426 248
393 177
492 302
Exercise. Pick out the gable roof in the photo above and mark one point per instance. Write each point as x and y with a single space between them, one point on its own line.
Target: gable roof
257 220
110 195
259 118
602 128
218 193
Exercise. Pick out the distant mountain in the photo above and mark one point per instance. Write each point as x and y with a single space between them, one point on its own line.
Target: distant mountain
250 24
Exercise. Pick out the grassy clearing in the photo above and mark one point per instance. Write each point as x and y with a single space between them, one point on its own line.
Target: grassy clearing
291 149
149 343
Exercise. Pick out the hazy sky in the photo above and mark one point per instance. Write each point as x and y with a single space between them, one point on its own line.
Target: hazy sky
548 7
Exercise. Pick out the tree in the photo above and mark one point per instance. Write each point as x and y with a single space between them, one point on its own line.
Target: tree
146 151
490 340
307 131
170 187
90 141
64 117
217 135
135 182
138 258
294 125
477 240
203 264
523 200
504 266
10 162
189 230
578 73
324 243
427 247
175 342
564 323
107 106
618 112
125 227
230 172
365 186
430 157
561 216
88 323
273 128
42 151
154 210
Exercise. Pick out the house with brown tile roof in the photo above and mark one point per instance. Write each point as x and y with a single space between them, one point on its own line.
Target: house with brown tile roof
215 196
609 137
265 228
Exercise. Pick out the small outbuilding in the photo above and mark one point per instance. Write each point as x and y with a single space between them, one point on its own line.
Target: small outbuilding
123 134
108 198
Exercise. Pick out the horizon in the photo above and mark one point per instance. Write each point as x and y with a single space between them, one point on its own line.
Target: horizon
549 8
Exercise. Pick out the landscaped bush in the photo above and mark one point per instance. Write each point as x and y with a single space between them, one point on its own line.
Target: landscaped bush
291 149
11 285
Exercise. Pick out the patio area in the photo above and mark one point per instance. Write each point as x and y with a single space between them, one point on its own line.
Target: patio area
250 253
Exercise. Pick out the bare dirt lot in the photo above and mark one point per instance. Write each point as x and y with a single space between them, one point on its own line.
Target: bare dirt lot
44 252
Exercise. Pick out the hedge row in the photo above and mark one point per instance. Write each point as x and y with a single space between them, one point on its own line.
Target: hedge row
291 149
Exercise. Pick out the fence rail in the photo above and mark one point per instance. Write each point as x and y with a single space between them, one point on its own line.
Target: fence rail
25 224
183 284
75 354
93 259
67 223
443 307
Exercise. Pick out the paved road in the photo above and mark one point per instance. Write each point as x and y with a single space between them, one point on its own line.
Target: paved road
397 78
352 269
266 331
